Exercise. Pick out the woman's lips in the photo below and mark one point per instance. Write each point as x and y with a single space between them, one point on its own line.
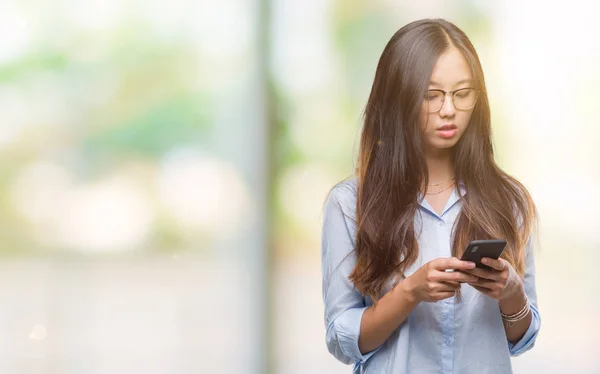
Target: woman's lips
447 131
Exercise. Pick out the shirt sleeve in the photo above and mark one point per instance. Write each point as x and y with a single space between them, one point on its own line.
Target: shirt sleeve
344 305
528 340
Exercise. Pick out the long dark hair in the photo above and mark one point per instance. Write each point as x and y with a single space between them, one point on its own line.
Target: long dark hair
392 169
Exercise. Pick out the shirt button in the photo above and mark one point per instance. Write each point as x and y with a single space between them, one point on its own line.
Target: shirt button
447 343
441 223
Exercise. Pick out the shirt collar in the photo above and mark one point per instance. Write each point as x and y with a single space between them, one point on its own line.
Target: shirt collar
455 196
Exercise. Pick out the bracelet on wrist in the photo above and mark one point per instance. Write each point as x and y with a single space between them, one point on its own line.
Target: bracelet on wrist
511 319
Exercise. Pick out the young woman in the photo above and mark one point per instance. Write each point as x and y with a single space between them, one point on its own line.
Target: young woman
397 298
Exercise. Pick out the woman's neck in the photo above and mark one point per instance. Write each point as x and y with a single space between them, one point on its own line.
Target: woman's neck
440 167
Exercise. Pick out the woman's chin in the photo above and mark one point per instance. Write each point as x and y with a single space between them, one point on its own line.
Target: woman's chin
443 143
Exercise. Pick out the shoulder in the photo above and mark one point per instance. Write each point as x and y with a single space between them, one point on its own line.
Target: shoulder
344 195
345 190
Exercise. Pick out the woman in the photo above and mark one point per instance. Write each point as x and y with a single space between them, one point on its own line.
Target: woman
397 298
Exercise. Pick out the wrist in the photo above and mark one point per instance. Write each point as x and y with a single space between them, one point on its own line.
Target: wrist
406 291
513 301
513 318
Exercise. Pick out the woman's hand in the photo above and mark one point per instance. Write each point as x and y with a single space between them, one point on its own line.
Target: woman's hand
500 282
433 283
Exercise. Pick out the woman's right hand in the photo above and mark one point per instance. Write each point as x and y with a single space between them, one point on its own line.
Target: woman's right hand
431 282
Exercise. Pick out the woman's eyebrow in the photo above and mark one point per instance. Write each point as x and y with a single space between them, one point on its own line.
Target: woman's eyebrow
462 81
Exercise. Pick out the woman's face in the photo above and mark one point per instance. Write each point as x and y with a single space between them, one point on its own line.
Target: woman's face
443 128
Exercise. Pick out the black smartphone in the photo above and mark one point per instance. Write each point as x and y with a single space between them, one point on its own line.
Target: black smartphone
483 248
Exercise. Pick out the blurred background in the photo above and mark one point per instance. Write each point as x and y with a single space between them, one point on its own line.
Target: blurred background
163 167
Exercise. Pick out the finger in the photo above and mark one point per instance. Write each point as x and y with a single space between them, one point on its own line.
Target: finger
484 273
496 264
450 286
483 290
452 263
457 276
443 286
443 295
487 292
484 283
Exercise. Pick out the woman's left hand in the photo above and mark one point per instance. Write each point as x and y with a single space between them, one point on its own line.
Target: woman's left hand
500 282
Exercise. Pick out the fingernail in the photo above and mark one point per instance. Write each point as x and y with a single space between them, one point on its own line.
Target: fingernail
485 261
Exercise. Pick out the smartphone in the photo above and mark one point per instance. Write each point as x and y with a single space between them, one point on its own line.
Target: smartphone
483 248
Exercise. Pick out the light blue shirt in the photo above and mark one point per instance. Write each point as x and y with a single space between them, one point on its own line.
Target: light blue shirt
448 336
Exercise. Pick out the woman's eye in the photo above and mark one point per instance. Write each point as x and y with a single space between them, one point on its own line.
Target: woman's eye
433 95
463 94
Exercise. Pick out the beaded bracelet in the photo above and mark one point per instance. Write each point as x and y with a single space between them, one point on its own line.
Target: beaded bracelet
511 319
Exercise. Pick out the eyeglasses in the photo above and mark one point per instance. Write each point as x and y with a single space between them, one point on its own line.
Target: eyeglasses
462 99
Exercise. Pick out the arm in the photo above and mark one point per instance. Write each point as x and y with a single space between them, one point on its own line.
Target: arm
355 331
512 305
430 283
381 320
505 285
344 305
522 335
